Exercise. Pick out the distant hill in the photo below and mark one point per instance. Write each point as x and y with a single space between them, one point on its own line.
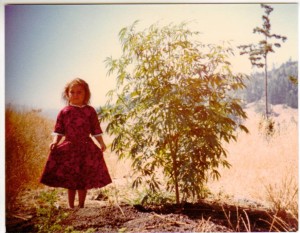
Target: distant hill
282 86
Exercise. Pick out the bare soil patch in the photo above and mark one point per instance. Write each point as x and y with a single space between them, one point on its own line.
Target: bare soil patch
206 216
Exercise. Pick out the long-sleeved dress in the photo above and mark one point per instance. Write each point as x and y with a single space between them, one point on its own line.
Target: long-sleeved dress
76 163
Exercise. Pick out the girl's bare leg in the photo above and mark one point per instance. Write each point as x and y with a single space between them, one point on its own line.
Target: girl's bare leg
81 196
71 197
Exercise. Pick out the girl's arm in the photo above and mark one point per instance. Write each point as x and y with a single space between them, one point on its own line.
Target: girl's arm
55 141
101 142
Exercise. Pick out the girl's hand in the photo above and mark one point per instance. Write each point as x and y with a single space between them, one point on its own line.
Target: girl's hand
103 146
53 145
101 142
55 141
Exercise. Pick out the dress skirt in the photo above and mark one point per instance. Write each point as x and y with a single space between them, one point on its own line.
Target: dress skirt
76 164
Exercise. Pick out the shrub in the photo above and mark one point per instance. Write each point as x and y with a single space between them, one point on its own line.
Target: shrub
172 108
49 215
26 146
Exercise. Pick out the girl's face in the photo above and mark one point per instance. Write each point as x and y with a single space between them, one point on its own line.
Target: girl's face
76 95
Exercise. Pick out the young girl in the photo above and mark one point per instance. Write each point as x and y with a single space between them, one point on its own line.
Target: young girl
77 163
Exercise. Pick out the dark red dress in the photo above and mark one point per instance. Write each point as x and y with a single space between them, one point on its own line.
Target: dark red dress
77 163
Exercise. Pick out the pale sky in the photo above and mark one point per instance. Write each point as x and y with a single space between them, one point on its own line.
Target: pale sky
46 46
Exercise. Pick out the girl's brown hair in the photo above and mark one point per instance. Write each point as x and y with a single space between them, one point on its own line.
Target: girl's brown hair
77 81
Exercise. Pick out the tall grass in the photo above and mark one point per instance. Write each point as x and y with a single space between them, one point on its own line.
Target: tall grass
265 169
27 138
283 196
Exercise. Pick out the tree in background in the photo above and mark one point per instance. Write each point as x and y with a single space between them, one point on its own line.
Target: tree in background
258 53
282 88
172 109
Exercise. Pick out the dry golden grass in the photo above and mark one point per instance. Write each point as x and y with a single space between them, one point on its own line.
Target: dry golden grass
27 139
264 170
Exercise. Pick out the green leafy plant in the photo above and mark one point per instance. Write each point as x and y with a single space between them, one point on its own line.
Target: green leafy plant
146 197
172 107
49 215
70 229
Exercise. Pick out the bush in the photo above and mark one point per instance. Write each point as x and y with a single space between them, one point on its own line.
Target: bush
172 108
49 215
26 147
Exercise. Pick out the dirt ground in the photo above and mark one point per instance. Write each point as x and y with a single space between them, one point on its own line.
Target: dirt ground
104 216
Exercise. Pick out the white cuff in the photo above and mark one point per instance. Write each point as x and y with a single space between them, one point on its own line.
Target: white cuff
55 134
